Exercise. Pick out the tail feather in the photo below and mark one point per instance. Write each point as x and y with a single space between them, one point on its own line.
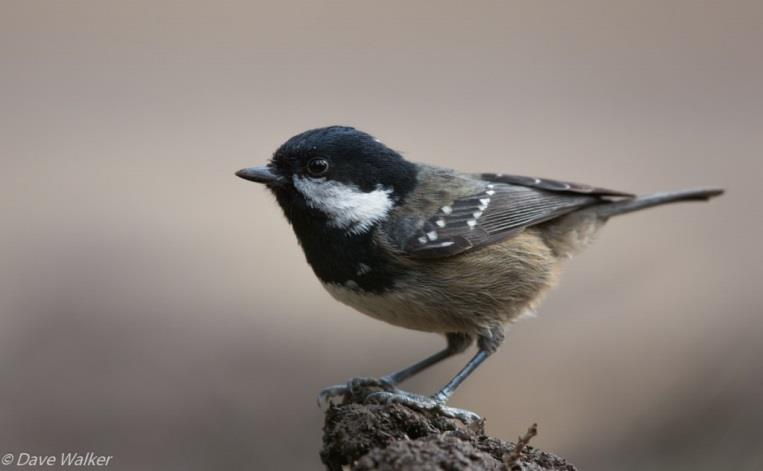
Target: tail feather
642 202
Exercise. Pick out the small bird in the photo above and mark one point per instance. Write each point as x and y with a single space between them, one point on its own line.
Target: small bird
432 249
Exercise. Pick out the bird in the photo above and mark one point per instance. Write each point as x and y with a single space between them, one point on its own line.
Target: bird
433 249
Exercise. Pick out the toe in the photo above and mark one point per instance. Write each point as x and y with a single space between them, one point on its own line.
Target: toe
381 397
330 392
355 388
422 403
465 416
355 385
401 397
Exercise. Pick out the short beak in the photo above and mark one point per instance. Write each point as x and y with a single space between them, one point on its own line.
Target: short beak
259 175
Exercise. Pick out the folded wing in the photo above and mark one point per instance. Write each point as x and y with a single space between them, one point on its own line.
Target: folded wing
506 205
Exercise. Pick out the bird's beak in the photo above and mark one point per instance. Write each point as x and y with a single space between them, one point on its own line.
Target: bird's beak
260 175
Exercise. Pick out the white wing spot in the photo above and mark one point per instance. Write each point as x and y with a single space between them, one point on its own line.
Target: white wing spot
477 214
491 186
537 180
351 284
447 209
440 222
432 235
490 192
471 223
422 240
447 244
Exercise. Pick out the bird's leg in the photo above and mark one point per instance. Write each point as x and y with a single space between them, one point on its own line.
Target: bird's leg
488 343
457 343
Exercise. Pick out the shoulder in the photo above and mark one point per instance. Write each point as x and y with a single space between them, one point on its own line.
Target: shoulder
436 187
436 190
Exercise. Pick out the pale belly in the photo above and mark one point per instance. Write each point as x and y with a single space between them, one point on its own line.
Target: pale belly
400 308
469 293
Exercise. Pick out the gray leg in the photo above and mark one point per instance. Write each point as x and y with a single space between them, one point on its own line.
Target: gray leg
457 343
488 343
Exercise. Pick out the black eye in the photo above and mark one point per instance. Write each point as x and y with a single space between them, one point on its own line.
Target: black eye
317 166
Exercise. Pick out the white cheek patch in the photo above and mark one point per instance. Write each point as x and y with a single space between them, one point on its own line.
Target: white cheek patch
347 206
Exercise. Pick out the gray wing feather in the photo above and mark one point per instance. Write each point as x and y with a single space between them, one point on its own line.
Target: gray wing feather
550 185
499 211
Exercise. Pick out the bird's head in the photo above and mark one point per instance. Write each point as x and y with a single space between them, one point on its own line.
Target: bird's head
336 176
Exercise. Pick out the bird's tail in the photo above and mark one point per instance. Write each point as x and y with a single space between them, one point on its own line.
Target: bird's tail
642 202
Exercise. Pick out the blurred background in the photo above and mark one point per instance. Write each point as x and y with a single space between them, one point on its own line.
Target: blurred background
156 308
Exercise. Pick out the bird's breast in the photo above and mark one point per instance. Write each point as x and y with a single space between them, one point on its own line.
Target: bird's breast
469 292
400 307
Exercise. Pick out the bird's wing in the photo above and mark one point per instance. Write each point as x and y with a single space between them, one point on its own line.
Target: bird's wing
505 206
550 185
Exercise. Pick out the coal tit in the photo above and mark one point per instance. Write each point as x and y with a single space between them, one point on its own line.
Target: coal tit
429 248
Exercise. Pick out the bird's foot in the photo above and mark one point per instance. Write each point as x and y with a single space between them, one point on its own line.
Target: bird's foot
423 403
353 388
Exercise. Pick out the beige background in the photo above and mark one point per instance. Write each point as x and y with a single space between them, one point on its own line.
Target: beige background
156 308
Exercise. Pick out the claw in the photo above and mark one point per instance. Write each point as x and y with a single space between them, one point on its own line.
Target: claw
423 403
352 388
465 416
328 393
402 397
